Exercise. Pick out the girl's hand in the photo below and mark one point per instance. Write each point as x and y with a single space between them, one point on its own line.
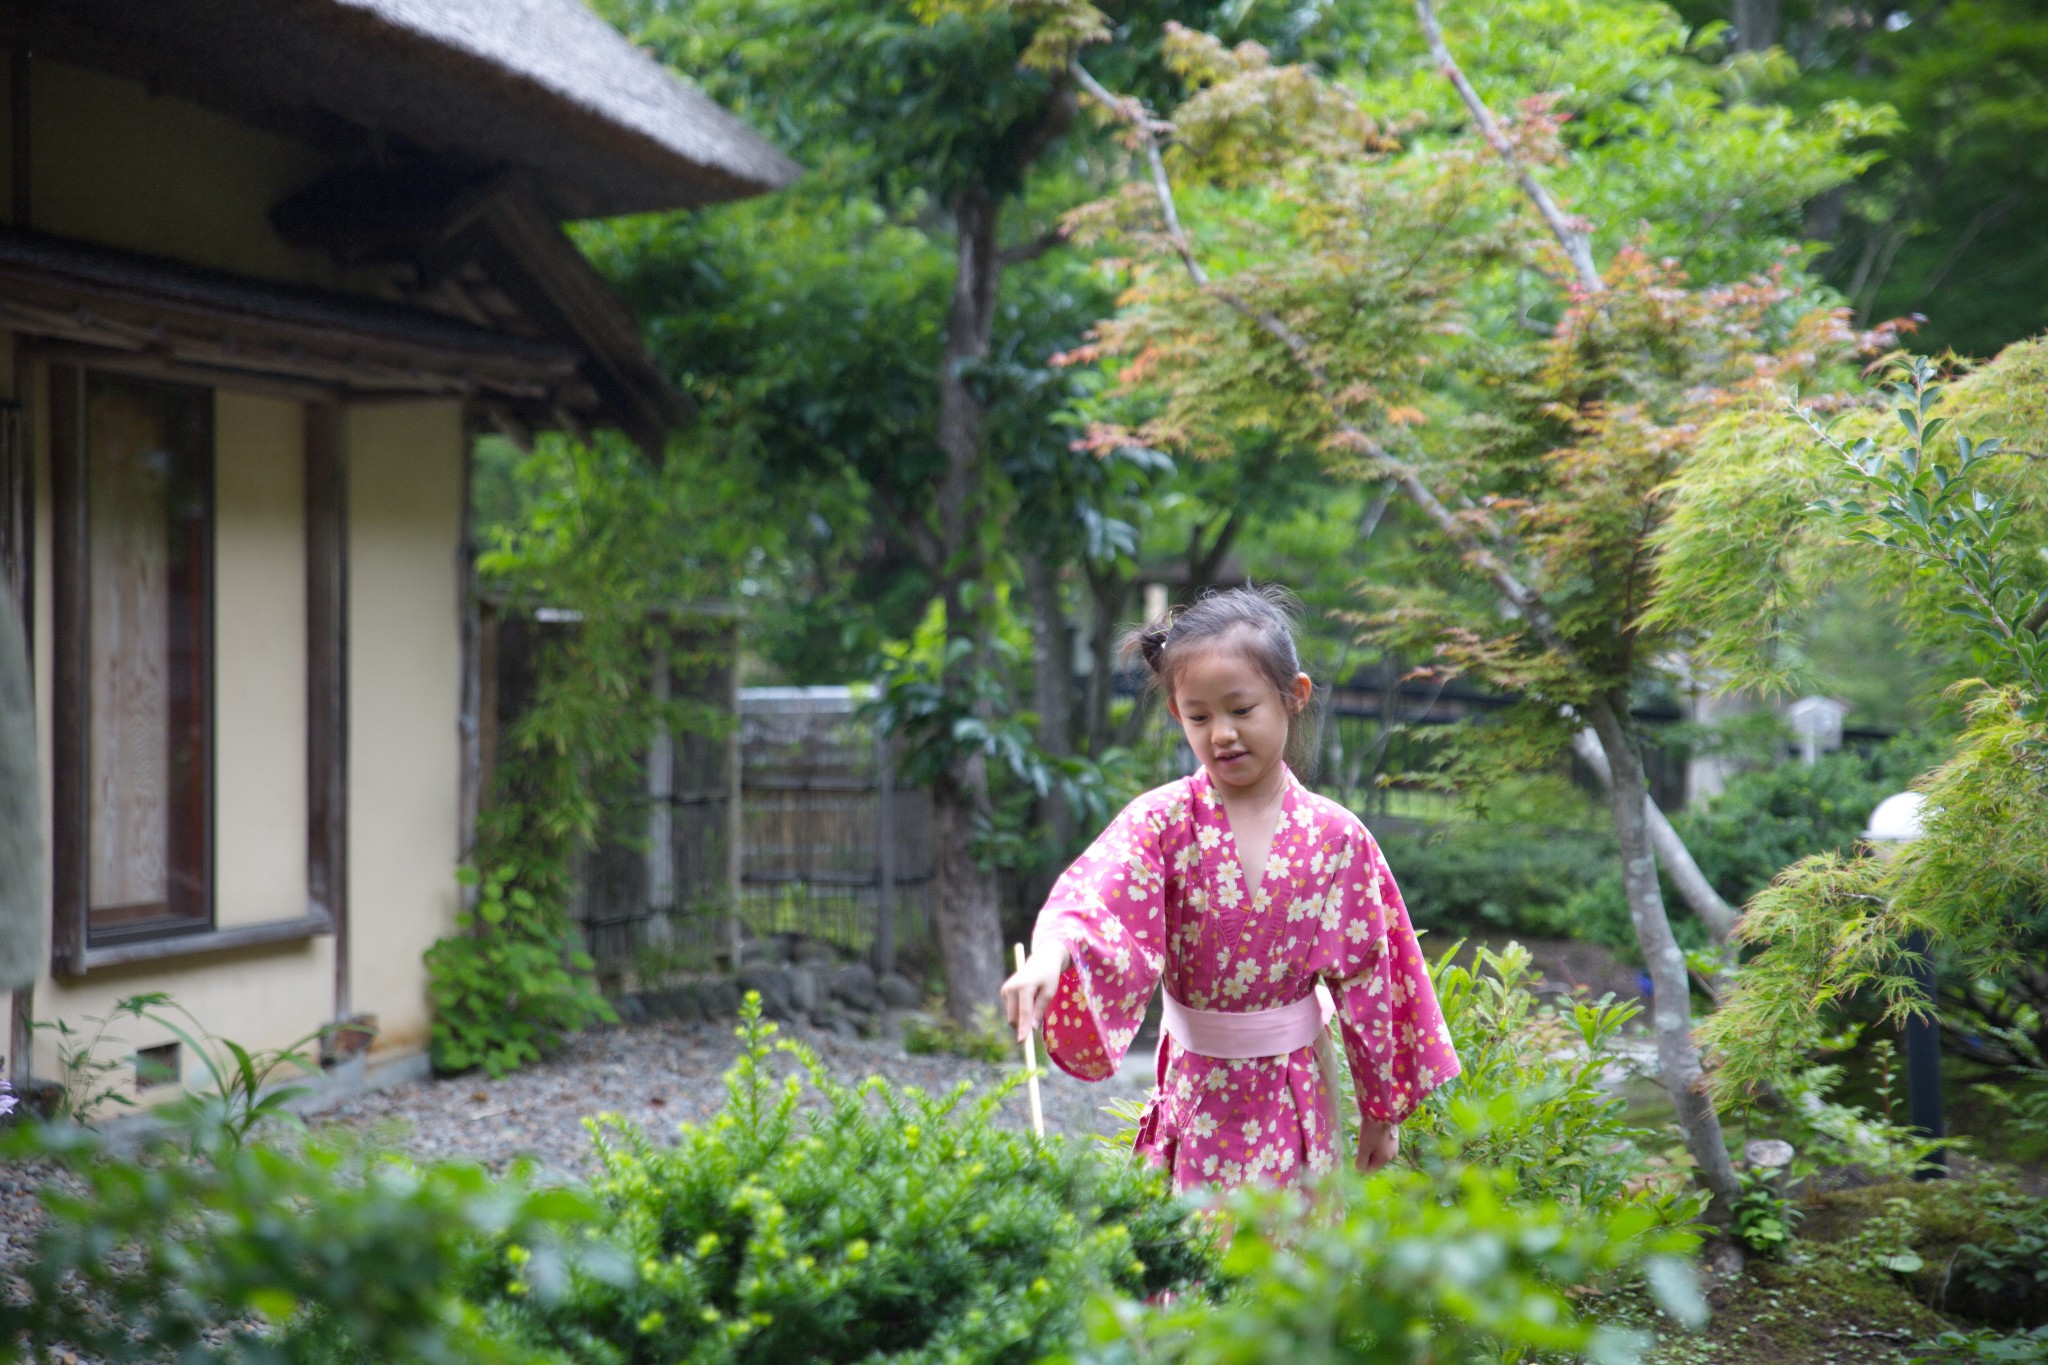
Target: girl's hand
1027 993
1378 1143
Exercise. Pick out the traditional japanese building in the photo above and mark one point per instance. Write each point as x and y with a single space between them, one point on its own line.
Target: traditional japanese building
269 268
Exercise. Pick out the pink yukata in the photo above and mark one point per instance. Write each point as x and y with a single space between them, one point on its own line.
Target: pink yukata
1161 894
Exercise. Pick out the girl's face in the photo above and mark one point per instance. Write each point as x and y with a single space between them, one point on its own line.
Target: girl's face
1235 719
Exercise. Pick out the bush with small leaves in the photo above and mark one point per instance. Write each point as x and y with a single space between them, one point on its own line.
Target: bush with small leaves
1448 1264
208 1250
884 1224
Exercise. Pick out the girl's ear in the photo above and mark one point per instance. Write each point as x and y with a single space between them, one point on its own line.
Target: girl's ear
1172 706
1298 695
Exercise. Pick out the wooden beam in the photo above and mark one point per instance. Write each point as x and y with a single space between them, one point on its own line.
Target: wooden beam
531 259
327 685
202 941
60 290
69 669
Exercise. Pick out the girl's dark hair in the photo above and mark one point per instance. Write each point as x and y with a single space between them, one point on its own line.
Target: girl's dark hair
1258 619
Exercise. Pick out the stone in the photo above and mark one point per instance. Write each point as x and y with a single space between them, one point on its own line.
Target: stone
772 951
773 986
815 955
854 986
804 995
687 1000
719 998
900 992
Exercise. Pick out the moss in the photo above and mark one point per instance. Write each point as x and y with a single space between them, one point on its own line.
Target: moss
1827 1303
1814 1308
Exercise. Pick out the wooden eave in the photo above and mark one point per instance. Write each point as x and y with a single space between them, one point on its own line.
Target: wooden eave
131 311
446 223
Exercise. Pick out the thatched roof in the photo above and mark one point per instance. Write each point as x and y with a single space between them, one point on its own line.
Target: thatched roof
542 85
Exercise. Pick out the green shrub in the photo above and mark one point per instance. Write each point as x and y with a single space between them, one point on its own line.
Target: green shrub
1449 1263
887 1223
1480 876
1540 1072
510 985
985 1040
246 1253
1762 1218
1985 1347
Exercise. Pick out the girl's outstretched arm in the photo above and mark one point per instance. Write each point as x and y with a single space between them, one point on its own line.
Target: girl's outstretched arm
1030 990
1100 941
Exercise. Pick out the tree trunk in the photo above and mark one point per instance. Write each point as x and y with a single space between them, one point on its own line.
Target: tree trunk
1756 25
1109 591
970 918
1693 887
1052 681
1678 1058
969 923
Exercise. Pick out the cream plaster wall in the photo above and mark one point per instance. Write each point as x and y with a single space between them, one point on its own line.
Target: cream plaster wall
111 163
269 996
115 165
405 514
259 687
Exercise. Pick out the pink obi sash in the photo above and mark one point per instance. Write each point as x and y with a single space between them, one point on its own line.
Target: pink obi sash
1249 1033
1263 1033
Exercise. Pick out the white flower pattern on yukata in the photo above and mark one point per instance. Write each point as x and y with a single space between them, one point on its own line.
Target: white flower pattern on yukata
1162 894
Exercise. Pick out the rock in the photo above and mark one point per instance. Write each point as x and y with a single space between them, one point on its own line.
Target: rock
899 992
772 951
815 955
804 995
854 986
687 1001
774 987
631 1009
719 998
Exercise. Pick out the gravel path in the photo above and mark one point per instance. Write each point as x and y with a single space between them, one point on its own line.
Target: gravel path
663 1074
658 1075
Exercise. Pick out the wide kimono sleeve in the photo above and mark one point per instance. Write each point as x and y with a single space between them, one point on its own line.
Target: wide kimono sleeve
1393 1029
1109 909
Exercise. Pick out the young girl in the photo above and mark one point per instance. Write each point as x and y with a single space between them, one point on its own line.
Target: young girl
1256 901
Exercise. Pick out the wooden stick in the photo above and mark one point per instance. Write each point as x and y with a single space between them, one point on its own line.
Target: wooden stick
1031 1071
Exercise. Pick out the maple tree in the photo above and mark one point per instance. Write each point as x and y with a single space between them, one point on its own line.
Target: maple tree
1419 305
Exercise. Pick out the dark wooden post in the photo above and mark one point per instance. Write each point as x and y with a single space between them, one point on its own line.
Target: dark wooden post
1923 1060
327 683
885 855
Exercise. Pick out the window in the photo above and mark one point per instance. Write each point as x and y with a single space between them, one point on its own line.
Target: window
131 467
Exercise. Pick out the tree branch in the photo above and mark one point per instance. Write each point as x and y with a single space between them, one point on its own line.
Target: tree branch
1577 246
1031 250
1522 598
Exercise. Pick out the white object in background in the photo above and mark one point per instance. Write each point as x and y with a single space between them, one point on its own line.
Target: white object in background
1897 820
1817 721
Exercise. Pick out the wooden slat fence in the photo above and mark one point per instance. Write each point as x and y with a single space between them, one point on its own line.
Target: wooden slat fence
833 847
660 882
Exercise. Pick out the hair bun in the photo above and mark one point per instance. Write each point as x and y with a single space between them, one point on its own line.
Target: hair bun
1152 642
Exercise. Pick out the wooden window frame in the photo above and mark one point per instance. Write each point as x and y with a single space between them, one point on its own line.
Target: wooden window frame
72 951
